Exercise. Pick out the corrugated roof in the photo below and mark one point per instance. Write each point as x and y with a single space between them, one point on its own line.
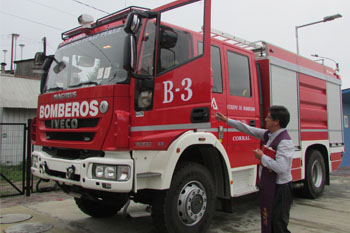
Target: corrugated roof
18 92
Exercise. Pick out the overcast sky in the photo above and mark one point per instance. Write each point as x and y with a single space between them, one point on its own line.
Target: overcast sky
273 21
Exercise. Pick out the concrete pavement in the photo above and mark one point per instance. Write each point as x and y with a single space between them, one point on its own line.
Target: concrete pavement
328 214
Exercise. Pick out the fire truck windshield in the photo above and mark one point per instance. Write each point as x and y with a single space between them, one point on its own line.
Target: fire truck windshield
95 60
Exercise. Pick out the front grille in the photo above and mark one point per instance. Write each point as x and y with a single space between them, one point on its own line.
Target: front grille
70 136
72 153
82 123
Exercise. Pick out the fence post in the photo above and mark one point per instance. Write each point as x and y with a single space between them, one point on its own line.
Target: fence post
24 171
29 159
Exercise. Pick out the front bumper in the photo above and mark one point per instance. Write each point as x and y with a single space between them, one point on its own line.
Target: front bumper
61 170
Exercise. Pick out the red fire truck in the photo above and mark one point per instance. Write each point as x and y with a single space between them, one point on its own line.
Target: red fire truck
127 111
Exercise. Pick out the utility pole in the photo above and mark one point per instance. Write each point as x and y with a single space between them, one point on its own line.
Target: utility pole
44 45
14 39
3 64
325 19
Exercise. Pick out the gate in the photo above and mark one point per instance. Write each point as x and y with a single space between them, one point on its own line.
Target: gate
12 158
15 162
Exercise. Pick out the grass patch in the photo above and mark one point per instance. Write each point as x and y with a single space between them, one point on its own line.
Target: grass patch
13 173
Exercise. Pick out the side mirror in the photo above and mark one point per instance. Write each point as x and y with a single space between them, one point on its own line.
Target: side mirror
39 58
59 67
129 53
47 63
133 23
43 82
168 38
43 62
134 20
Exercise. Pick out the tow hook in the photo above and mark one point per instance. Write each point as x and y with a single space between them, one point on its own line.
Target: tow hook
70 172
43 168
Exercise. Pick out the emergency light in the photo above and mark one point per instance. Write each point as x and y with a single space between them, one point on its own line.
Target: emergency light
85 20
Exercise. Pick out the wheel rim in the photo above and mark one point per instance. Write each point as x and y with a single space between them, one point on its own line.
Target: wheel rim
317 175
192 203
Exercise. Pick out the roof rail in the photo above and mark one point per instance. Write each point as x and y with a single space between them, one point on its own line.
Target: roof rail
102 21
116 15
217 34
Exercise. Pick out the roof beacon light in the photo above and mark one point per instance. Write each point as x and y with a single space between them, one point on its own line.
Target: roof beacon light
85 20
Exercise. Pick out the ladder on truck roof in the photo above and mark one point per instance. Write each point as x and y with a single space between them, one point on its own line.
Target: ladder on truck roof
235 40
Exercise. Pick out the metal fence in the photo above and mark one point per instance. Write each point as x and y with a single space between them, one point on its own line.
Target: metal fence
15 159
12 158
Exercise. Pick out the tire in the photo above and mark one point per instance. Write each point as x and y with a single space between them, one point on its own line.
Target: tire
98 209
315 175
189 204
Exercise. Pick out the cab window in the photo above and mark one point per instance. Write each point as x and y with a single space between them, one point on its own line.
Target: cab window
146 63
175 48
175 36
239 74
215 65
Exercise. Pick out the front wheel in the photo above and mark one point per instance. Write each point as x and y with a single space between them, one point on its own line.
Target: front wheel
189 204
315 177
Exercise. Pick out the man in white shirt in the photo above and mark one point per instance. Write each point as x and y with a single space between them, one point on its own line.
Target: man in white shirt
276 136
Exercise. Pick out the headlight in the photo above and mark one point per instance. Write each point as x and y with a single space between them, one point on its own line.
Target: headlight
111 172
35 161
99 171
123 173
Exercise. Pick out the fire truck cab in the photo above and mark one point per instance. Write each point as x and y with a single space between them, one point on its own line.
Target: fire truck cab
128 106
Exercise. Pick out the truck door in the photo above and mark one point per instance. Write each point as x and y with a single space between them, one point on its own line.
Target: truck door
218 101
242 104
177 91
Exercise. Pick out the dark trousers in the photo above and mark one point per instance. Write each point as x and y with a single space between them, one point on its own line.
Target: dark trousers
281 208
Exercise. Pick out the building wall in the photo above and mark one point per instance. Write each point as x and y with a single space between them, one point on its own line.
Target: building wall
346 157
12 136
17 115
24 68
18 103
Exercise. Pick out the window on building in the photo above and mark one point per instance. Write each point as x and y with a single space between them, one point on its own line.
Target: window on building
346 121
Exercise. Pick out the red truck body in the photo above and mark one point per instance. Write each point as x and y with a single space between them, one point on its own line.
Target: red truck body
122 127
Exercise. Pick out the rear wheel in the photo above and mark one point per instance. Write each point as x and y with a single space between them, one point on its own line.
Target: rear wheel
99 209
315 176
188 205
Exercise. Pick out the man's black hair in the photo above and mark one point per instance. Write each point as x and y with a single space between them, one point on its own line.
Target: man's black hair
280 113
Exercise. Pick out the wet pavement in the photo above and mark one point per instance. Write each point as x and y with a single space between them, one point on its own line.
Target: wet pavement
327 214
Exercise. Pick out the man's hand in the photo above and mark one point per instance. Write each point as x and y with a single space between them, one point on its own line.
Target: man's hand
258 153
220 117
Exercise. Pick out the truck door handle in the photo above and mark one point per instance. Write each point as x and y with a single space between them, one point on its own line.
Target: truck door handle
199 115
252 123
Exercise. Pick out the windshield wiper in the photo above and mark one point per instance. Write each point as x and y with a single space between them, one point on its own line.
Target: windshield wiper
55 89
85 83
